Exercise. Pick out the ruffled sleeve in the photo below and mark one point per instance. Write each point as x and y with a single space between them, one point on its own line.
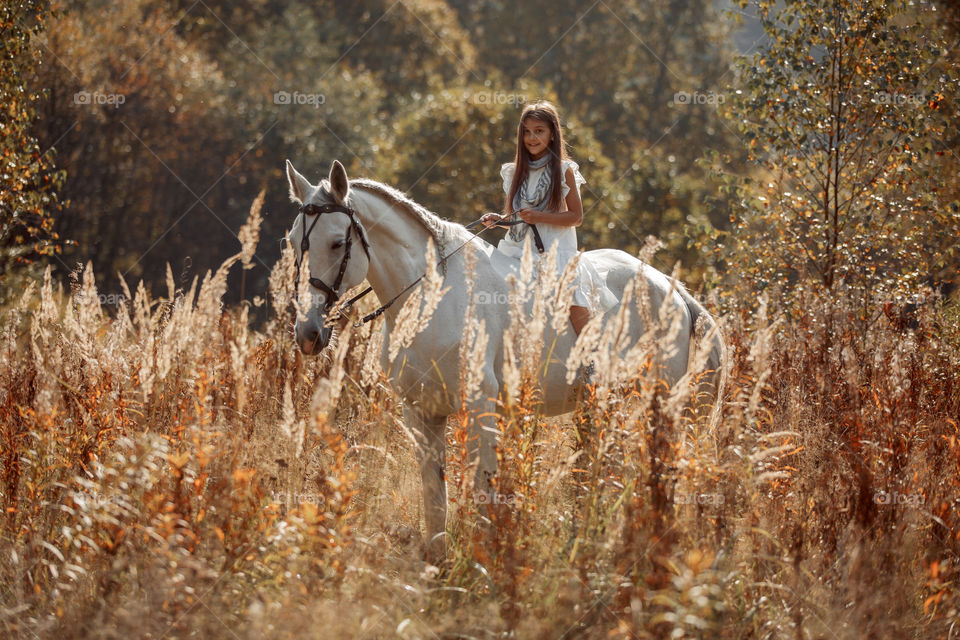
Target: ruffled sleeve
506 172
577 178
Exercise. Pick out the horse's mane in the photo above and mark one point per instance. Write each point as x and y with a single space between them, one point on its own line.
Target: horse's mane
441 230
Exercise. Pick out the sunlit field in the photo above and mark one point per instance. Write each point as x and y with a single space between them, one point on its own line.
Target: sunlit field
169 471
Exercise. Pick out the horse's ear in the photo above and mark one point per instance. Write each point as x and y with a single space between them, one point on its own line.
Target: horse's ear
299 186
339 185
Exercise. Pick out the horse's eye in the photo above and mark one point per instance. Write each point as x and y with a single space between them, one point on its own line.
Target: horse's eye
337 244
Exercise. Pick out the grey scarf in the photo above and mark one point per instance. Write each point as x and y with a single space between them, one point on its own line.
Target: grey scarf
531 196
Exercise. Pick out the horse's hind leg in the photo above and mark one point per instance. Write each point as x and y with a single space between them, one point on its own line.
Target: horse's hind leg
483 438
431 453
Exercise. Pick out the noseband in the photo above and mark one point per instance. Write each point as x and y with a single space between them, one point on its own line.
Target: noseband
332 291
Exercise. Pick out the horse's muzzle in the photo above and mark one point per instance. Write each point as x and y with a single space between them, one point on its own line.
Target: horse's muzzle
313 340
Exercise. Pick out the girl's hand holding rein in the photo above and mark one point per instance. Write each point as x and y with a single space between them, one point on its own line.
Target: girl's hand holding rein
567 218
530 216
494 219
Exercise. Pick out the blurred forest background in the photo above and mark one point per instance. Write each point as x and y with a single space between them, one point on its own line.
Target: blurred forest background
145 129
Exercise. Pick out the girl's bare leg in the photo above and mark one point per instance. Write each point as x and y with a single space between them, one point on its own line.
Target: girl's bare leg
579 317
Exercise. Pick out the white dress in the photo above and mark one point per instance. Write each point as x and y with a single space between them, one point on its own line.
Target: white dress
590 289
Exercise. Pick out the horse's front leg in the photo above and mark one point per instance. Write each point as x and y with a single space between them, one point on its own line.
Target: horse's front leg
429 432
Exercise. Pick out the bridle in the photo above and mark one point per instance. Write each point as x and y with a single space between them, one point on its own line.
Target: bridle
332 291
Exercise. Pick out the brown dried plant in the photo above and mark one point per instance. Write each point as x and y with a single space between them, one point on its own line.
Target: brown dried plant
169 469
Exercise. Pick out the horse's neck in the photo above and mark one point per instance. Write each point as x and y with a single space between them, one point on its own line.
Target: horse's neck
398 245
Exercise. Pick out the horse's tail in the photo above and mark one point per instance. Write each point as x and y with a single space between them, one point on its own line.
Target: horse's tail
703 325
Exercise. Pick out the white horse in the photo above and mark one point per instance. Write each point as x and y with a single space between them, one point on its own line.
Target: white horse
393 234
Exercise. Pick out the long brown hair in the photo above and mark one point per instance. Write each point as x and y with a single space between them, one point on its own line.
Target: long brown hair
545 112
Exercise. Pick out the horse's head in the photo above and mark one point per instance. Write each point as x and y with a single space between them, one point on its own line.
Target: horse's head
331 249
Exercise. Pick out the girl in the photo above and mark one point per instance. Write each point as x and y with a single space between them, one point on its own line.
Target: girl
542 187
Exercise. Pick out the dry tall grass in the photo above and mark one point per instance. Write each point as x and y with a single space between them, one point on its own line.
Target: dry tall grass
167 471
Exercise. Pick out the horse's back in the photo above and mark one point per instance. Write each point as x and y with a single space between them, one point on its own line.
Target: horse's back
619 268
